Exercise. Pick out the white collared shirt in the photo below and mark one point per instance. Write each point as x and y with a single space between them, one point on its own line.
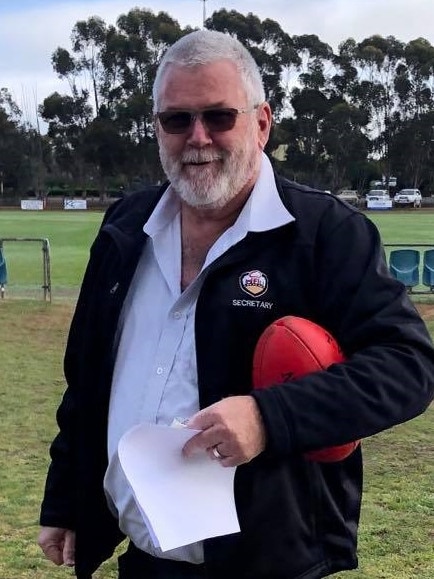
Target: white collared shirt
155 374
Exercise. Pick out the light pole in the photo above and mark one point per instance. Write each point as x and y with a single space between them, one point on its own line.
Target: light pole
204 13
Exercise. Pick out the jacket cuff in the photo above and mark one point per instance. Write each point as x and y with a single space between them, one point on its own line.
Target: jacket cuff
280 439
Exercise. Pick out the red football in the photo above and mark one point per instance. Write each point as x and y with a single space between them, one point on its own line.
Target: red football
292 347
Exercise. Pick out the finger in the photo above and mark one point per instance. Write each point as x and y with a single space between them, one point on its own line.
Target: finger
197 443
69 549
204 440
53 553
201 420
225 460
215 453
231 461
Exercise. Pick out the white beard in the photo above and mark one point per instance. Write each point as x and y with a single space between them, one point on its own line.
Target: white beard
213 185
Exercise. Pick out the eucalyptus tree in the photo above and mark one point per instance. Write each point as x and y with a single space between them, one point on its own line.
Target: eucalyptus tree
110 71
131 57
68 117
412 151
316 60
414 84
23 152
377 60
345 144
271 47
88 42
83 67
305 153
10 154
311 99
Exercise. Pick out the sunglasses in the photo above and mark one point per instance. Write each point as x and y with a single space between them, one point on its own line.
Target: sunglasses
215 120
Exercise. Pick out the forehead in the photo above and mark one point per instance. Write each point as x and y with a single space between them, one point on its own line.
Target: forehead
217 83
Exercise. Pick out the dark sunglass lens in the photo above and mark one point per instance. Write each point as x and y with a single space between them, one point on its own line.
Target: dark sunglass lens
220 119
176 122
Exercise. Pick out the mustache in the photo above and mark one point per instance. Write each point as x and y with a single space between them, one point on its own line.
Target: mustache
202 156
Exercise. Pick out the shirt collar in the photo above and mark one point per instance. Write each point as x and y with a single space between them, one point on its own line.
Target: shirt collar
166 210
264 208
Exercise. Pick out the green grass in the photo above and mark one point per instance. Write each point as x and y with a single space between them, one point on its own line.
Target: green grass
397 525
404 226
31 385
69 234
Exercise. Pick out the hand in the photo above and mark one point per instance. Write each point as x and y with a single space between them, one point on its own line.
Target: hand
58 545
234 426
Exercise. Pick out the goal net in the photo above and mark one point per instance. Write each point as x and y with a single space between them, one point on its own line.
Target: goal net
25 268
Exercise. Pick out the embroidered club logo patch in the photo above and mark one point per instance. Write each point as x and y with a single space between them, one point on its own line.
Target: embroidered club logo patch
254 283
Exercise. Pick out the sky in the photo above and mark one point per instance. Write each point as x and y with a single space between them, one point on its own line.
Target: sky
31 30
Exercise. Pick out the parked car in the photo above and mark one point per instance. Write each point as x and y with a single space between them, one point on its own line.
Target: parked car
350 196
378 199
408 198
377 194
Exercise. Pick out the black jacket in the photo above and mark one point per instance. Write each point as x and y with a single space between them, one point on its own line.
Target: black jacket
298 518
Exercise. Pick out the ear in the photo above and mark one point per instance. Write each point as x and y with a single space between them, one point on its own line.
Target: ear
157 128
265 118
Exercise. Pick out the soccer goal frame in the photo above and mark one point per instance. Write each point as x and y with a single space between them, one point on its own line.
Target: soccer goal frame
46 266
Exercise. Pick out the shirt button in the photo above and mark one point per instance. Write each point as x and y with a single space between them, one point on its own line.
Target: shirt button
177 315
160 370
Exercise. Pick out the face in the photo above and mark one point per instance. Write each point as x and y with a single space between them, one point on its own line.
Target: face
209 168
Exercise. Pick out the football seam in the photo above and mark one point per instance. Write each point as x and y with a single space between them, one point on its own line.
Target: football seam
308 349
300 341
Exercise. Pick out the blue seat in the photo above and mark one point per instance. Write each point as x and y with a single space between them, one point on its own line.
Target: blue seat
3 273
404 266
428 269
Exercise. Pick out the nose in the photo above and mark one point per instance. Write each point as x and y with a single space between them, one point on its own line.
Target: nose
198 135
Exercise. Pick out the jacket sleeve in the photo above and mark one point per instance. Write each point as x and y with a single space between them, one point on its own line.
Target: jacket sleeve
388 375
59 502
78 452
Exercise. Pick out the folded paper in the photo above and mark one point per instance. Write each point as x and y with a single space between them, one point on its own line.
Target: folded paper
182 500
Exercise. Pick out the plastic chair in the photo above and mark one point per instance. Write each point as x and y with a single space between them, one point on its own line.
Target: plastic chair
404 266
3 273
428 269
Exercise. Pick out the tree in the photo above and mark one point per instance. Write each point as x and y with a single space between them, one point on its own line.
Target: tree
341 118
22 165
414 79
67 119
88 42
305 151
345 144
271 47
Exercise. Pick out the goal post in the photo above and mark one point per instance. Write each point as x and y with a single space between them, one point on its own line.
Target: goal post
46 267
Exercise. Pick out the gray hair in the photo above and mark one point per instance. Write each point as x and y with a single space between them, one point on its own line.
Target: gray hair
208 46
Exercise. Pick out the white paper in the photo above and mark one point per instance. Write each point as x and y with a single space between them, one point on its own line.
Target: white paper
182 500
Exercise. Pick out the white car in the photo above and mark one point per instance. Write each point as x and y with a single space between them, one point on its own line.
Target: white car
377 194
408 198
378 199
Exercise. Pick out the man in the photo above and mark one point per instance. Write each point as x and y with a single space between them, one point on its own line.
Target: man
165 327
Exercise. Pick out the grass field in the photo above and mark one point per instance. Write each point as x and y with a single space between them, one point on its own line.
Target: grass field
397 526
69 234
